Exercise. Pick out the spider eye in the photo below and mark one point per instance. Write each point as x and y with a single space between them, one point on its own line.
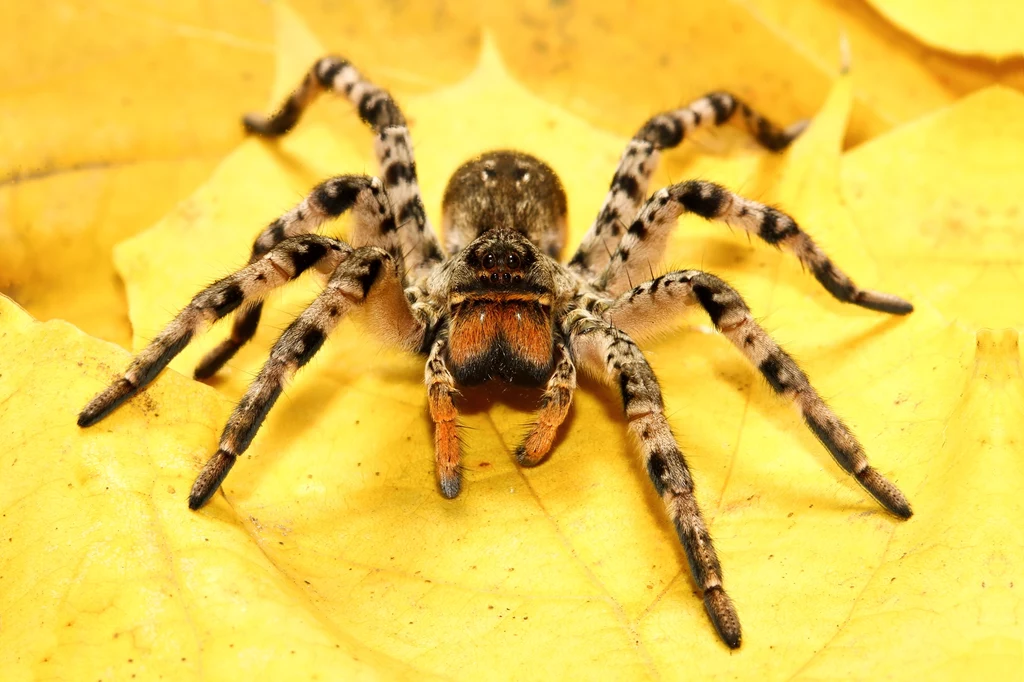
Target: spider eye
489 261
512 261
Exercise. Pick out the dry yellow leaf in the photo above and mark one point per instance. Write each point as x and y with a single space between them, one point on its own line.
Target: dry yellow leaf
106 575
894 74
103 131
332 535
114 111
987 28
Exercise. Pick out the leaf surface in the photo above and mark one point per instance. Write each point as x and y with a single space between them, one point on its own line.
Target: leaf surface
331 541
990 28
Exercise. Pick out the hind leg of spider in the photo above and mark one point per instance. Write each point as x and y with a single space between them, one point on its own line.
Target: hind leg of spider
663 131
609 352
647 236
554 407
393 145
369 277
280 265
651 307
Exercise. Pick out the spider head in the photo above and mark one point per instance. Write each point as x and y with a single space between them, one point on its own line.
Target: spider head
500 301
505 190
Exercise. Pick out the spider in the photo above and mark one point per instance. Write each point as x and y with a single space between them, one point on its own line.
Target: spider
495 303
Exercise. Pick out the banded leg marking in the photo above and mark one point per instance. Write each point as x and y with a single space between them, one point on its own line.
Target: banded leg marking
393 147
663 131
647 236
328 200
279 265
355 281
554 407
610 352
672 293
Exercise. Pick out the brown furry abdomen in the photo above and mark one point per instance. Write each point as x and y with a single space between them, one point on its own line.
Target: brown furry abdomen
494 339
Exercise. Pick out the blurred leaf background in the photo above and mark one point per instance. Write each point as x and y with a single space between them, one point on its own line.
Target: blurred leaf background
127 184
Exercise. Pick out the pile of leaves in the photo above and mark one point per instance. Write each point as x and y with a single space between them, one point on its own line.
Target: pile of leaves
127 186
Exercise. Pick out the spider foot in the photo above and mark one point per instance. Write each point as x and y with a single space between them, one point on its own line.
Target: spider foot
885 492
270 126
210 478
449 482
215 359
882 302
723 616
105 403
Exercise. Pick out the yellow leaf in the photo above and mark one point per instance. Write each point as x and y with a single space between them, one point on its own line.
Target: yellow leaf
332 530
114 111
950 182
895 76
990 28
616 63
100 137
106 574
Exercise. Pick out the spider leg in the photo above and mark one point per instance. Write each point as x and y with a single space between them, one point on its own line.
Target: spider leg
663 131
283 263
645 240
641 310
441 393
606 351
328 200
281 253
554 406
370 277
393 147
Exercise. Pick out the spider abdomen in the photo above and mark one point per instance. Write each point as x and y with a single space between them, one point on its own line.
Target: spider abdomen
500 339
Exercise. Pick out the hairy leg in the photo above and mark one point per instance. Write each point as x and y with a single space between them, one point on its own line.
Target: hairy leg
606 351
280 265
664 131
646 237
369 277
653 304
393 146
328 200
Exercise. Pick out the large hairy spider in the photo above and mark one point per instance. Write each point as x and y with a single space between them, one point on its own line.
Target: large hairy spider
493 302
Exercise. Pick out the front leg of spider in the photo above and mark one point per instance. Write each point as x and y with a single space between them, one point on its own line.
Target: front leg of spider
284 253
368 277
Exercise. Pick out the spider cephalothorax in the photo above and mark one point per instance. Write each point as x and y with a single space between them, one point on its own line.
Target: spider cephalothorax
495 303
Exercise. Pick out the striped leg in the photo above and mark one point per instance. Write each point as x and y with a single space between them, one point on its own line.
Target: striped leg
661 299
606 351
393 147
664 131
328 200
281 264
370 277
554 406
441 394
645 240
